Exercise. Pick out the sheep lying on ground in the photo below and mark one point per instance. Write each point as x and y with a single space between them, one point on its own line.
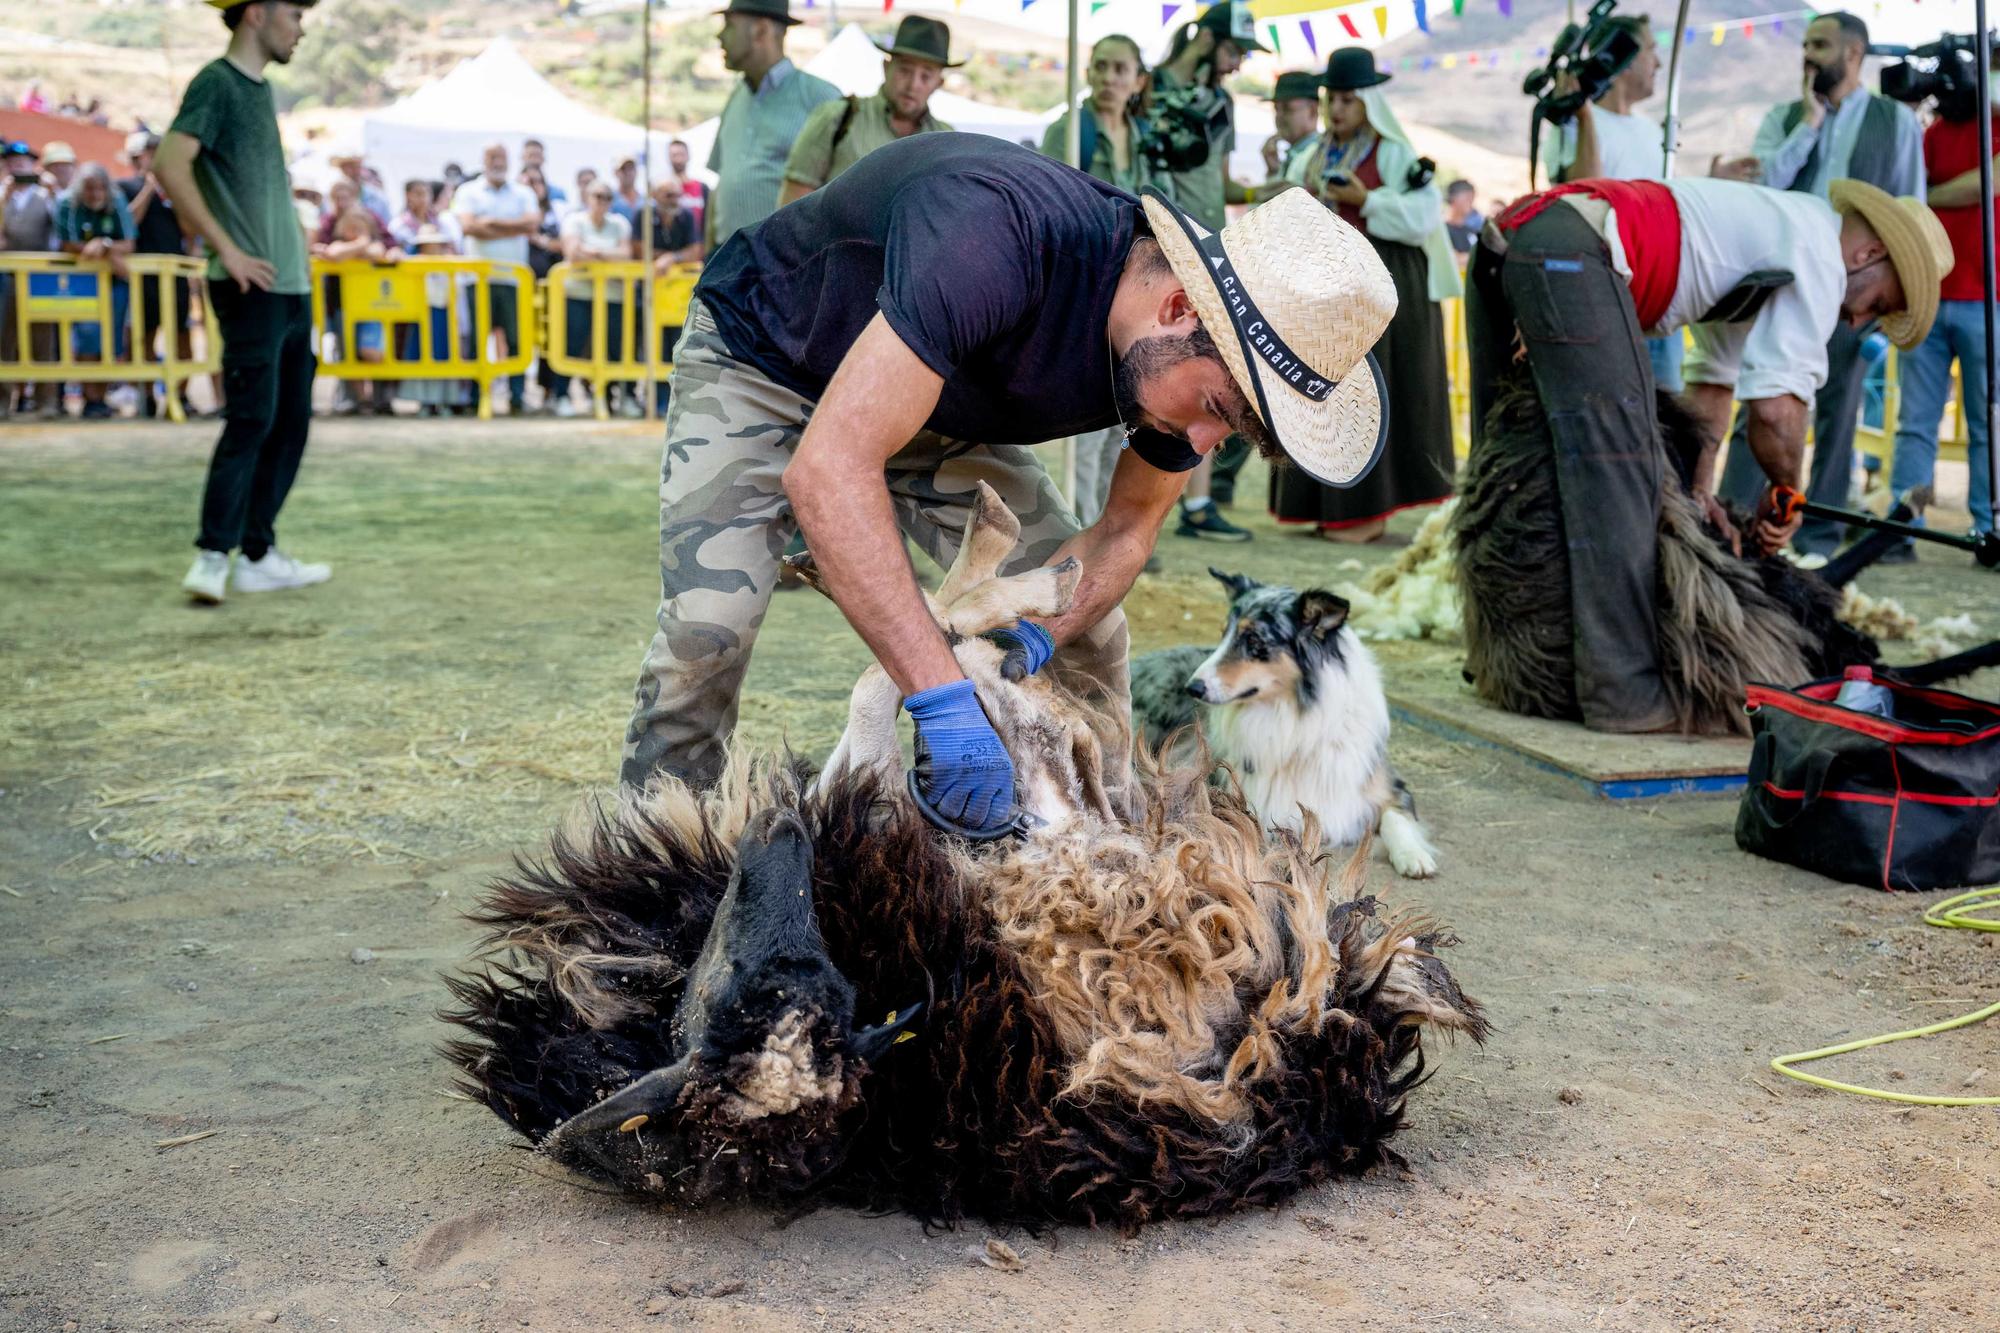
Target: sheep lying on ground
1141 1009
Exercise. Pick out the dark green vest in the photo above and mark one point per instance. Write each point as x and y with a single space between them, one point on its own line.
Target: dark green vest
1874 157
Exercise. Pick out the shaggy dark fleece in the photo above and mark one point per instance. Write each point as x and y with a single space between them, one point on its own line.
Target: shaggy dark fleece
1513 563
966 1118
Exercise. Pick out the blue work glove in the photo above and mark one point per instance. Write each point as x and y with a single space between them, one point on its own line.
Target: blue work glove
963 780
1028 647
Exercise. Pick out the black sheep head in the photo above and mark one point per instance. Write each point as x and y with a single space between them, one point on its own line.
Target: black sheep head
767 1058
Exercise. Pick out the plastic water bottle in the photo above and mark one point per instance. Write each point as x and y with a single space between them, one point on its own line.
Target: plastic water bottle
1859 692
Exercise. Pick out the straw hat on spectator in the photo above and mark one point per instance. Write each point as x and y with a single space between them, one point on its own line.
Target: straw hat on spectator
1919 251
55 152
1294 299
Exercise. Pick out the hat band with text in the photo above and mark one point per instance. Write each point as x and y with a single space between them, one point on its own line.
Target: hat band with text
1258 335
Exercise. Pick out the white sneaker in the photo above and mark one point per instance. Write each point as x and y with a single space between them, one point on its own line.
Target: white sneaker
208 577
565 408
277 571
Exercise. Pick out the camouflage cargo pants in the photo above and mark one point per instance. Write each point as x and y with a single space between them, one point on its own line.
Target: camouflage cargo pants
724 520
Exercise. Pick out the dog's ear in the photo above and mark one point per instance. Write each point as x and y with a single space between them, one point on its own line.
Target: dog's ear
1238 584
1321 612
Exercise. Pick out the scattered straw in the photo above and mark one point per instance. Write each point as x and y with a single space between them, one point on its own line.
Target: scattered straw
186 1139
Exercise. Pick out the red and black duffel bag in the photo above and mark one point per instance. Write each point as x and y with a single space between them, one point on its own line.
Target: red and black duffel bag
1904 802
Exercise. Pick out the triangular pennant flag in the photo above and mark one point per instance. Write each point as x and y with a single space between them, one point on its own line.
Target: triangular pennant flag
1348 24
1506 9
1715 39
1271 31
1428 62
1381 20
1472 59
1167 13
1777 25
1687 37
1306 31
1449 62
1423 17
1095 5
1749 29
1458 8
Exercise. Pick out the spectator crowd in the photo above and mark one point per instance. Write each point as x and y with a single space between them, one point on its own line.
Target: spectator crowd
785 133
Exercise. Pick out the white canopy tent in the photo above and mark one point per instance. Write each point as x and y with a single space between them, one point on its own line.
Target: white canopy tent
497 96
853 64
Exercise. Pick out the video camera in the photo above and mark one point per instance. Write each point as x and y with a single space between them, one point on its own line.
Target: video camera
1593 53
1947 70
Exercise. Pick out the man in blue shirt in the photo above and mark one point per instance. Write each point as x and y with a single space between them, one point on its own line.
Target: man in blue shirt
762 118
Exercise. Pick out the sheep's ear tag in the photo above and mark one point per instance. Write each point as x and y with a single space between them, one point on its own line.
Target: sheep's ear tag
871 1044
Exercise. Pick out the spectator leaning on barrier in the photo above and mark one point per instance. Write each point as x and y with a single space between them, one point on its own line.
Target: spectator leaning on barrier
598 232
676 240
1836 129
223 166
158 233
1609 140
839 134
762 119
27 226
420 211
693 193
1951 164
1366 170
93 225
1295 111
59 165
1111 138
498 215
371 198
628 201
1202 56
544 253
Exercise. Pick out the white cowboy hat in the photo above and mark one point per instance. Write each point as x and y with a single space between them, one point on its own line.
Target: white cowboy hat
1919 251
1294 298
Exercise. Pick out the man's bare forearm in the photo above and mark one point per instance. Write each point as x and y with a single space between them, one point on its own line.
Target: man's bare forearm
1709 405
1778 437
850 525
1114 549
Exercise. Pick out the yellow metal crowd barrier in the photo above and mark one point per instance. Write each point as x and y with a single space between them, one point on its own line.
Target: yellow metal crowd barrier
54 308
423 318
595 337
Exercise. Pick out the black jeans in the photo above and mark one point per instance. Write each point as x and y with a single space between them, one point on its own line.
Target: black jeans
1595 379
267 378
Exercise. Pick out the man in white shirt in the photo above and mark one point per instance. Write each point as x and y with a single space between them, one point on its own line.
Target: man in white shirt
1762 276
1836 130
1610 140
498 216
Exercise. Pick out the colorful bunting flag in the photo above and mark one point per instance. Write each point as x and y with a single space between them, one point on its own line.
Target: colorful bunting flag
1271 31
1458 8
1450 62
1381 20
1506 9
1348 24
1306 31
1423 18
1167 13
1095 5
1715 39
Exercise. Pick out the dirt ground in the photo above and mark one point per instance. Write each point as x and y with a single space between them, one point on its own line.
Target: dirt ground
213 1117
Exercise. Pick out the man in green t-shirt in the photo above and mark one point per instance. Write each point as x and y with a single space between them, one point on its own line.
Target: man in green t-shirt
223 167
839 134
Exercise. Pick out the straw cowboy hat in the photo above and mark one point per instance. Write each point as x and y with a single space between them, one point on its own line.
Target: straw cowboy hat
1919 251
430 234
1294 298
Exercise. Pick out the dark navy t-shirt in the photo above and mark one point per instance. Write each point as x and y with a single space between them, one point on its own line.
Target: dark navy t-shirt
994 263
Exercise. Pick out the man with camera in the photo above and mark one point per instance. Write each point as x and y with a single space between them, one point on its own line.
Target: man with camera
1951 165
1580 273
852 367
1835 130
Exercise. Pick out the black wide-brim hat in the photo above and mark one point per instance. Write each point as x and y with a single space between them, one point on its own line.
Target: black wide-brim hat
922 39
778 11
1295 83
1351 68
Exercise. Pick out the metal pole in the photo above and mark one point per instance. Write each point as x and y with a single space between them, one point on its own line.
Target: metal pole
642 318
1986 241
1670 137
1073 154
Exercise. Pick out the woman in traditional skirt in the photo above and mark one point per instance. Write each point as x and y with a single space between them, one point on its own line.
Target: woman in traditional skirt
1365 169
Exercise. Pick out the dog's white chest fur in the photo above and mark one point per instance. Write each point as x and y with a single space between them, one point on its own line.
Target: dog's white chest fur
1323 756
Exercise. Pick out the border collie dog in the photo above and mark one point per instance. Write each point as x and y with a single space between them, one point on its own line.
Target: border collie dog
1292 700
